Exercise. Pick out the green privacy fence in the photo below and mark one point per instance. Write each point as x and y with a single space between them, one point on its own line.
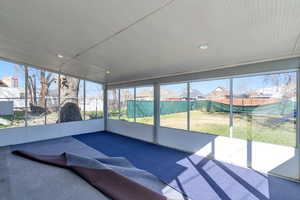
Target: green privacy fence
145 108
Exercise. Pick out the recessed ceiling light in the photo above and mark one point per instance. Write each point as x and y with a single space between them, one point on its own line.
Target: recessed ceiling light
203 46
59 56
107 72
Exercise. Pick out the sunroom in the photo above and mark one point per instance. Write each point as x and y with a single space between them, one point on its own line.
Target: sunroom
163 99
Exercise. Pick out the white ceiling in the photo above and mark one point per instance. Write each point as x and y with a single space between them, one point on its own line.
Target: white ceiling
140 39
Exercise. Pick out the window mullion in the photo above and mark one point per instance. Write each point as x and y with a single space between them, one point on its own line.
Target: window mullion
134 104
119 103
188 106
231 109
26 96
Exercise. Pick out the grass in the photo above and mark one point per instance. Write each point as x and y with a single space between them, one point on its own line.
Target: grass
18 119
262 128
93 115
18 115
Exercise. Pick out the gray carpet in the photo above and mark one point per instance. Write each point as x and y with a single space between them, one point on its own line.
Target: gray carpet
23 179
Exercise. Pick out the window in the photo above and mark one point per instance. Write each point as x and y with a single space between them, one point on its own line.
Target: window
173 106
37 90
71 95
93 100
113 104
210 107
12 95
264 108
144 105
49 98
127 101
52 98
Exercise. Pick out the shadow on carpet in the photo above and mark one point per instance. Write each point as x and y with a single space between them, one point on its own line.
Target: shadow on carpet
193 175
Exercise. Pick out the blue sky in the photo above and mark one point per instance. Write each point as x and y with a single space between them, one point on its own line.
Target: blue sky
9 69
240 85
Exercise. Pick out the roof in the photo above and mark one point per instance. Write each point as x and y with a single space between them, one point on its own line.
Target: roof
2 84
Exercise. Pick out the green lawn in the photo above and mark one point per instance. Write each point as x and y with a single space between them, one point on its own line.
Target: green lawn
263 128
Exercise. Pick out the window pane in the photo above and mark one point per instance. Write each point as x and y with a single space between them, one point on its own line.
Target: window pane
70 91
210 107
144 105
52 104
37 93
127 99
12 95
93 100
265 108
173 106
113 103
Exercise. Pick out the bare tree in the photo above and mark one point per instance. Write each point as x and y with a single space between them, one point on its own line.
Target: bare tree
45 82
283 82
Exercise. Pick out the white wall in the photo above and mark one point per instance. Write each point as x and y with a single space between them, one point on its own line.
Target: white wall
35 133
135 130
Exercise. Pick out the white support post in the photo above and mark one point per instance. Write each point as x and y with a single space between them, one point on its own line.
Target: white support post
134 104
119 103
297 118
26 96
105 106
188 106
59 106
231 108
156 112
84 95
45 106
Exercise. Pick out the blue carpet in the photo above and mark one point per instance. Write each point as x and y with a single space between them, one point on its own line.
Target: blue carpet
196 176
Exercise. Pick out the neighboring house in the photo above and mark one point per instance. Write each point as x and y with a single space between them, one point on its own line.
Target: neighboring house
13 94
145 95
12 82
218 93
176 99
166 95
93 103
196 94
3 84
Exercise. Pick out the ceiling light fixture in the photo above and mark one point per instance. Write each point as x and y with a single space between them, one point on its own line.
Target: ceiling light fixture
203 46
59 56
107 72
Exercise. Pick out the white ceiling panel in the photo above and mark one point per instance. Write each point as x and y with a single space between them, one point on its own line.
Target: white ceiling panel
166 43
27 54
139 39
81 70
66 27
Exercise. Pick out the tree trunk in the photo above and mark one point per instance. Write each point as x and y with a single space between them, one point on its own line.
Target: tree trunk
43 90
69 89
